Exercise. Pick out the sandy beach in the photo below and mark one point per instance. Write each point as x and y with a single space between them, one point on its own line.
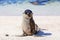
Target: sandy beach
49 25
47 17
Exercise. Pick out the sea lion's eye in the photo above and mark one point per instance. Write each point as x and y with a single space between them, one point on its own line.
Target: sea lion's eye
28 12
25 12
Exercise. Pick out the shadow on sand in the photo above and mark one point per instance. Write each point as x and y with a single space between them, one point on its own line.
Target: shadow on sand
42 34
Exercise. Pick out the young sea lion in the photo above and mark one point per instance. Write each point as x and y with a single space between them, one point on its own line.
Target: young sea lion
28 25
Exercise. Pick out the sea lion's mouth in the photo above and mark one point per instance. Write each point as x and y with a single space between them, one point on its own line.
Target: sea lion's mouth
28 18
29 15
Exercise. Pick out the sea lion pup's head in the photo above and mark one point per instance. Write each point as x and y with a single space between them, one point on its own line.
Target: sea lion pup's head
28 14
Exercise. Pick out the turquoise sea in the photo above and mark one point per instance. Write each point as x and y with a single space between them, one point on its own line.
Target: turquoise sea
11 8
4 2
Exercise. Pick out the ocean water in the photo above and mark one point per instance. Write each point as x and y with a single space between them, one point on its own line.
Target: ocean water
17 9
21 1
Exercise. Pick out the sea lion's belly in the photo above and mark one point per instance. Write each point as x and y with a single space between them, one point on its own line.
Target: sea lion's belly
26 27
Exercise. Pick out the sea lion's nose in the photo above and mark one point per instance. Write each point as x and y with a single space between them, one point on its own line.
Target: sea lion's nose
29 15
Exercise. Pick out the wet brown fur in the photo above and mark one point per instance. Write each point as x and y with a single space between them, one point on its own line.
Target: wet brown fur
31 24
32 27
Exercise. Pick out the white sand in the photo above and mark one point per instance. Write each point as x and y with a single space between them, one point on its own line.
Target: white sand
11 25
